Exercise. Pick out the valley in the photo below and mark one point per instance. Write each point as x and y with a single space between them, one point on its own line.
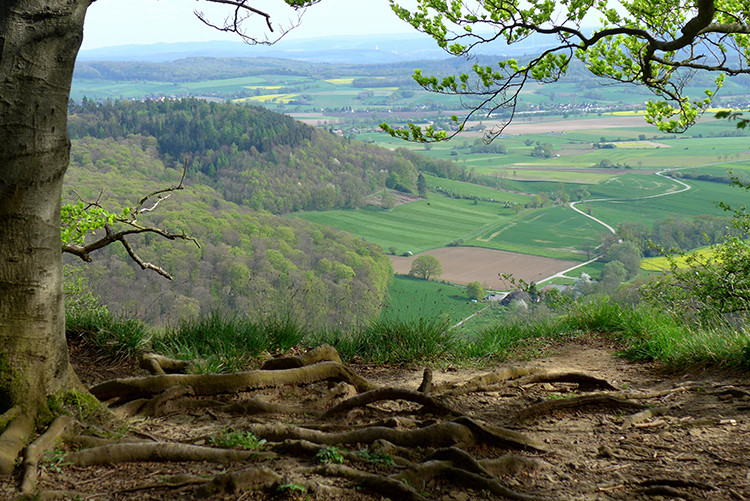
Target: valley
486 209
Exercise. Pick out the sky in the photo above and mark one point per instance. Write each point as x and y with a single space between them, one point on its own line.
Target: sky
124 22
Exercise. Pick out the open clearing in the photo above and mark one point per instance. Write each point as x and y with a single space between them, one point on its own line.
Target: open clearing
623 431
462 265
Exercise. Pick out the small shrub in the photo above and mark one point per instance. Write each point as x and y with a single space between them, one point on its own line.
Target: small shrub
238 440
329 455
376 458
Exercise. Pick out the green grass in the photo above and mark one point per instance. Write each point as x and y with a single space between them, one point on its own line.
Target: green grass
116 336
644 333
698 200
412 298
417 226
425 339
246 440
227 343
467 190
557 232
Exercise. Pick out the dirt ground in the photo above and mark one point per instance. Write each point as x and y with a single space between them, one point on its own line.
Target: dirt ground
462 265
693 441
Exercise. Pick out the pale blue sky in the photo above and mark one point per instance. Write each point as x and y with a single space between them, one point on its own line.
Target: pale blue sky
123 22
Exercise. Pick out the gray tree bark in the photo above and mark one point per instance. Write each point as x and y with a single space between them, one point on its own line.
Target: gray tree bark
39 42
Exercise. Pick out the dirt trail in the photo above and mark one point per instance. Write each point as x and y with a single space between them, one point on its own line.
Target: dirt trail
695 445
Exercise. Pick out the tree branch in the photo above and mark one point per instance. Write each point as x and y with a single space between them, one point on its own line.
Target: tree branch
244 11
131 220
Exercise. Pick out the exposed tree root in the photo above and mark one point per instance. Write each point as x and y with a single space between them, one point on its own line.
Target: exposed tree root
160 365
258 406
426 385
55 494
512 464
644 415
434 468
13 440
172 482
500 437
155 406
322 353
255 478
462 431
156 452
35 450
492 485
213 384
87 441
389 487
677 482
480 383
303 448
580 402
585 382
440 434
430 404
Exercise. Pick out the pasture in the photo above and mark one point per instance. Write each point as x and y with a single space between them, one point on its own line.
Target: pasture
700 199
413 298
416 226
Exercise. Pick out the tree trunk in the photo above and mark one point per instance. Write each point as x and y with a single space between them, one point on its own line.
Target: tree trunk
39 42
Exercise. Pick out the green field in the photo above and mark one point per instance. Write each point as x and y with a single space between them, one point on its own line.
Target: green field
557 232
413 298
467 190
417 226
696 201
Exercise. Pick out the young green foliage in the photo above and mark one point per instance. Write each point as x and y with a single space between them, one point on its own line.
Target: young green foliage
657 44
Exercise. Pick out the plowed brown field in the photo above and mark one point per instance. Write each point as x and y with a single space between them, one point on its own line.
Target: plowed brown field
462 265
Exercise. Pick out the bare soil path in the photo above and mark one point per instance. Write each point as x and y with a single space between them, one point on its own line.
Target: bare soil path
650 435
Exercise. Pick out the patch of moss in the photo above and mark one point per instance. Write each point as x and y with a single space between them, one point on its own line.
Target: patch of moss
83 406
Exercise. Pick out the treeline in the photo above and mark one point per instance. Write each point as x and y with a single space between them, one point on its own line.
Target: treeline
673 233
711 178
257 158
248 263
196 69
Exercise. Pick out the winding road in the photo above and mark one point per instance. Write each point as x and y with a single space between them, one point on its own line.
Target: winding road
661 173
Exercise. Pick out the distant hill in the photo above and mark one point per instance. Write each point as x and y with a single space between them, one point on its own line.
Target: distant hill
369 49
255 157
243 162
249 263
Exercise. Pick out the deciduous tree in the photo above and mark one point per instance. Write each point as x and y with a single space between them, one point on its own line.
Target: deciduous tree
425 267
39 42
474 290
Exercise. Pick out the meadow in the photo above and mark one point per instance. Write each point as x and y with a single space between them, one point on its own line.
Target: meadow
413 298
356 101
417 226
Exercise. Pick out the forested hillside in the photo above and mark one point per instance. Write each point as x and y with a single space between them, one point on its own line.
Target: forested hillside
249 262
254 157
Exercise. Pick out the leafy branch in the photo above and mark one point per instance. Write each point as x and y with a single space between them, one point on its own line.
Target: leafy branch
85 218
659 45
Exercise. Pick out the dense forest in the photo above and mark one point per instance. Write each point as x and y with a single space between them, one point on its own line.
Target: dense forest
254 157
248 262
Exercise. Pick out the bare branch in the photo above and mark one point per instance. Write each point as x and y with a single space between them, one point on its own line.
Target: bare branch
137 209
242 12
